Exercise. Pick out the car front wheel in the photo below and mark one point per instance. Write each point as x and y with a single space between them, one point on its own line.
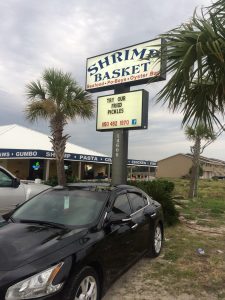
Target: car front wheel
84 286
156 241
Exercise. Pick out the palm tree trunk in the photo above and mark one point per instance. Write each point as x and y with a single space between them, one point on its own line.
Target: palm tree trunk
59 144
61 172
193 190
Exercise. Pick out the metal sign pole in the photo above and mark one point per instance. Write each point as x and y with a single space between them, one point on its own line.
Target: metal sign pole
120 149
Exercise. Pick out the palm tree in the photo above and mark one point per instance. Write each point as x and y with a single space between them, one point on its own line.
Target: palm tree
196 60
197 134
58 98
218 9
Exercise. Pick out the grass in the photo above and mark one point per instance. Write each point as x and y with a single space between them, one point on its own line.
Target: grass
209 208
180 267
206 188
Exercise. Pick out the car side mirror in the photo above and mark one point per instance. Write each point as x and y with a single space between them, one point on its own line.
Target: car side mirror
119 219
15 182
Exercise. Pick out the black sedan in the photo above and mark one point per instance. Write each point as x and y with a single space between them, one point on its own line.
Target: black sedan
71 243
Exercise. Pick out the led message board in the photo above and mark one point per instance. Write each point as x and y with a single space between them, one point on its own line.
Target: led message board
125 111
133 65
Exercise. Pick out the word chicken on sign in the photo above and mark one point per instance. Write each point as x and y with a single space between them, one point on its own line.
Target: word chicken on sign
129 66
127 110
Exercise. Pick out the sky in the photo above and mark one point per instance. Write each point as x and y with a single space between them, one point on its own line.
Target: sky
35 35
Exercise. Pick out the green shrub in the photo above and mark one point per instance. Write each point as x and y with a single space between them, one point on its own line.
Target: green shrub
161 191
71 179
53 181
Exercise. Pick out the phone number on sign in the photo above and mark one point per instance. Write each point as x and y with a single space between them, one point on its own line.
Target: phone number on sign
115 123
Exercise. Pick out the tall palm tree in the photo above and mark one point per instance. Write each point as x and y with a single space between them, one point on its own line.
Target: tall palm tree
197 134
196 60
58 98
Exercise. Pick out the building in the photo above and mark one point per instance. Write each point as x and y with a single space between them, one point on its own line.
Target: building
179 165
28 154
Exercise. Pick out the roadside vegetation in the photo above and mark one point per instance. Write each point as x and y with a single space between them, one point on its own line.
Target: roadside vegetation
161 191
193 259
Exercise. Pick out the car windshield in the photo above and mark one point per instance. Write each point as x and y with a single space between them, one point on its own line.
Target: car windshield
67 207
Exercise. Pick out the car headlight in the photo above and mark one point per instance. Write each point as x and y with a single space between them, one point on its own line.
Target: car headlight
35 286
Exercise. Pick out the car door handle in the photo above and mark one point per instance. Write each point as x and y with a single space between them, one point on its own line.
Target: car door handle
134 226
153 215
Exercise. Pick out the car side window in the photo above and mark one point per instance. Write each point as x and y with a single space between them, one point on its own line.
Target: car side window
137 201
5 180
121 205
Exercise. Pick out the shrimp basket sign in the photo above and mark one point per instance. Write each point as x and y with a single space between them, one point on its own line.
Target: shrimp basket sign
133 65
127 110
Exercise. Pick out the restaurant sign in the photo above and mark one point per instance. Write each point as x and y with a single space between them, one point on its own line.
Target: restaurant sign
133 65
42 154
125 111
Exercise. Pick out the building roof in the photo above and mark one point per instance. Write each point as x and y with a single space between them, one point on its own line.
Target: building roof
18 137
209 160
202 159
169 157
20 142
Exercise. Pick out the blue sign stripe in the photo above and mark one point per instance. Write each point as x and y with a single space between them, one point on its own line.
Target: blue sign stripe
21 153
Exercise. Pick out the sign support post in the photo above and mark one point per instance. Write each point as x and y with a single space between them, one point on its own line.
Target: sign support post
119 156
120 149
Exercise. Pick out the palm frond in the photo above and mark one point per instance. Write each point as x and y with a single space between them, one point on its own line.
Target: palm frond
60 95
196 60
35 90
44 109
79 104
200 131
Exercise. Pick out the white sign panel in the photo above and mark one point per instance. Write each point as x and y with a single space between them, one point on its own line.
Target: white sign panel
121 111
130 66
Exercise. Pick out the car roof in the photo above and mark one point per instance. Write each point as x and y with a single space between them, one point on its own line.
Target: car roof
95 186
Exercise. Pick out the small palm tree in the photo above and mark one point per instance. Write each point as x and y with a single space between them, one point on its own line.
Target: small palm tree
58 98
197 134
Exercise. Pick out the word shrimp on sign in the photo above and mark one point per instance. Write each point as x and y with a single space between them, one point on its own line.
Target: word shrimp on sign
127 110
128 66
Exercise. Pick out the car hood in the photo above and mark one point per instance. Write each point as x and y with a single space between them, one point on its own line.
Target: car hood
23 243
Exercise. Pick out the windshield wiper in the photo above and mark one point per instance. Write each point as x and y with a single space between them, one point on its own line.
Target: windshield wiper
48 223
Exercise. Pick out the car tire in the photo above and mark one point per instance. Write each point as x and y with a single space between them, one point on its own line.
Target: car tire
83 283
156 240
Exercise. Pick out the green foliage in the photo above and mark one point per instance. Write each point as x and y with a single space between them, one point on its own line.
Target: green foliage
195 54
58 98
200 131
53 181
71 179
161 191
200 171
57 94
